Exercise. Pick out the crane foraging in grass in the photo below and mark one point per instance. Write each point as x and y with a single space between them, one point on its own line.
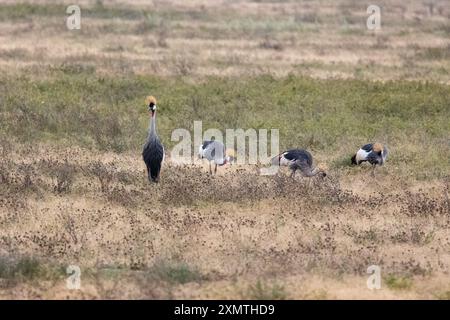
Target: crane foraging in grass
153 152
374 153
299 159
214 151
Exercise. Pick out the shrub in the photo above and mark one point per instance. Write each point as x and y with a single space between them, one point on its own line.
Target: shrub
105 173
264 291
175 272
398 282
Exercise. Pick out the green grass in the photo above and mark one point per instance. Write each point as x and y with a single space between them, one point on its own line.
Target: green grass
175 272
27 268
263 291
443 295
398 283
20 11
73 105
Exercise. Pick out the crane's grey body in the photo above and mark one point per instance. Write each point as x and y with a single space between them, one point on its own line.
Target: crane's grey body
297 159
213 151
153 151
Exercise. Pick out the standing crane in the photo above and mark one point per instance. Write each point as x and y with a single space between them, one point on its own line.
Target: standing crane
298 159
153 152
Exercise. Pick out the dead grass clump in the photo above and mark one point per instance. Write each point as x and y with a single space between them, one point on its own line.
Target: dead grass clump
308 17
180 185
63 175
272 44
105 173
421 204
13 54
187 185
382 42
5 169
162 34
28 175
182 66
414 235
120 195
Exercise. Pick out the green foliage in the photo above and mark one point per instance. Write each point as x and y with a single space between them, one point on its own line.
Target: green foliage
264 291
177 273
26 10
443 295
26 268
398 283
108 113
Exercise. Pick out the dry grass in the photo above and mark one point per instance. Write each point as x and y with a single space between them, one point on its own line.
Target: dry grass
238 234
196 38
234 235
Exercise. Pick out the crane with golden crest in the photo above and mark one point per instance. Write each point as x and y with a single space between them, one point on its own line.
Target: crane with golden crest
153 152
374 153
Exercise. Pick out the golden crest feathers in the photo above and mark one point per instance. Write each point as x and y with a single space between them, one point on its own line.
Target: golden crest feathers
150 99
377 147
230 153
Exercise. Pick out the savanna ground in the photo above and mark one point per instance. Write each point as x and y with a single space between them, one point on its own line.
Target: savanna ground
72 183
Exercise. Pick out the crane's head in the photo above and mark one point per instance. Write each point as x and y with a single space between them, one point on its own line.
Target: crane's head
150 101
322 170
230 156
377 147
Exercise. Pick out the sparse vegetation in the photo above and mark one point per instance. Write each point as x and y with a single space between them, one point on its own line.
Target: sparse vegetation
73 187
26 268
398 283
175 273
107 114
262 291
444 295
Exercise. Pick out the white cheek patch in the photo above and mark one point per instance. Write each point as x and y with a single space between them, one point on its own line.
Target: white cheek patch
361 155
284 161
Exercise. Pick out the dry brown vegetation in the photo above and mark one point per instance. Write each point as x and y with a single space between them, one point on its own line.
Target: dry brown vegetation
73 189
231 38
237 234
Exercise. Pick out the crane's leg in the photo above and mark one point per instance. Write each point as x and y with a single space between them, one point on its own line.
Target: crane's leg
215 169
210 169
293 173
373 170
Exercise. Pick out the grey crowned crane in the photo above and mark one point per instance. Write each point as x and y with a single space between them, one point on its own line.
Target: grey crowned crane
153 152
214 151
299 159
374 153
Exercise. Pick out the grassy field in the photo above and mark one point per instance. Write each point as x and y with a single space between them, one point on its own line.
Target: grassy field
73 189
